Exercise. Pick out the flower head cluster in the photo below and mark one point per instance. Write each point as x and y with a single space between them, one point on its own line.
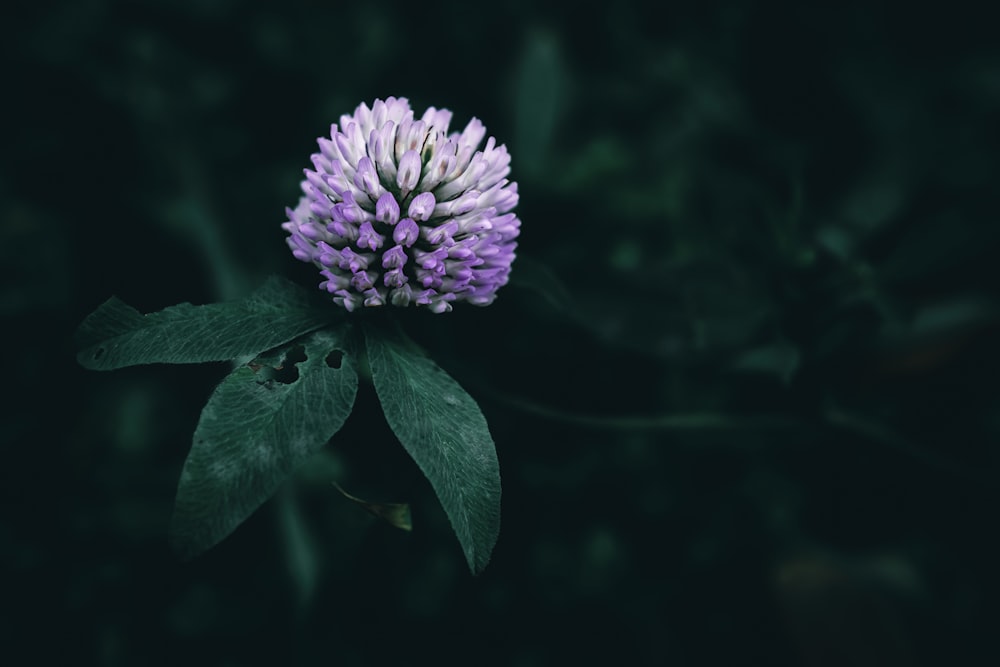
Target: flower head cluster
398 211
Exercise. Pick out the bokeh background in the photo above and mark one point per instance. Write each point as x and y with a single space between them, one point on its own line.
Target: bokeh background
743 387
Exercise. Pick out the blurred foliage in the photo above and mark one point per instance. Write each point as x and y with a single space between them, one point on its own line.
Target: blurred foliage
763 431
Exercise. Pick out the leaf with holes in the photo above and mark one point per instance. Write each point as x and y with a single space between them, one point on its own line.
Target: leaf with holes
442 428
117 335
256 429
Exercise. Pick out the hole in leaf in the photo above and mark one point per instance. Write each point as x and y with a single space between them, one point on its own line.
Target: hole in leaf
288 372
334 359
295 355
98 353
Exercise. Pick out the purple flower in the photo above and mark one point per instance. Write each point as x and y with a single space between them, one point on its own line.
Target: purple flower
398 211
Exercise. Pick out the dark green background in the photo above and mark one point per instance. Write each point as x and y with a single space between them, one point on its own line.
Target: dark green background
763 433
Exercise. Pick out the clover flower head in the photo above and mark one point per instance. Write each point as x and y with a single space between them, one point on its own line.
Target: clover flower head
399 211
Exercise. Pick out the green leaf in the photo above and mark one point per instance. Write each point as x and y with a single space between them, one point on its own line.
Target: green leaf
540 83
442 428
395 514
254 431
116 335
